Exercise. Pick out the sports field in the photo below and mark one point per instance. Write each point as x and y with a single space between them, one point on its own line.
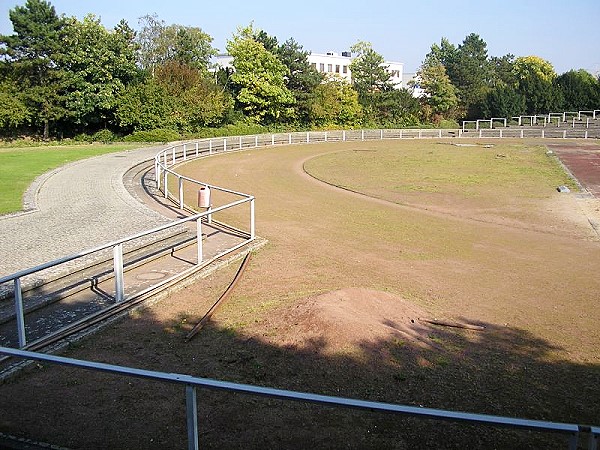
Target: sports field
366 239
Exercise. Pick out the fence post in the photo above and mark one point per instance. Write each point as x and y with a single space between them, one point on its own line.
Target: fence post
256 141
118 269
344 135
19 313
180 185
225 144
290 138
199 237
252 222
326 136
272 139
210 147
191 406
308 137
196 149
362 135
165 184
240 142
157 174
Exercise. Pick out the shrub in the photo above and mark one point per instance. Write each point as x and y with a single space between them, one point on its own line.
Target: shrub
105 136
156 135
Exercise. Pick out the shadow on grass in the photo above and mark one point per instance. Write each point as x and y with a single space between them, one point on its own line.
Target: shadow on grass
501 371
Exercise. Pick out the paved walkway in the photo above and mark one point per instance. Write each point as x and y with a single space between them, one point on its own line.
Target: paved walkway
78 206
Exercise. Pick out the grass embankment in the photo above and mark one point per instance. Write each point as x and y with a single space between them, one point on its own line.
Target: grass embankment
20 166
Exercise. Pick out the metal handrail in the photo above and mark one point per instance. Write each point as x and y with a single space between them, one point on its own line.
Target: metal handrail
191 383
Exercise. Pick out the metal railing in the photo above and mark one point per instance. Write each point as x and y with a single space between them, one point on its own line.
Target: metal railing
571 431
537 119
117 251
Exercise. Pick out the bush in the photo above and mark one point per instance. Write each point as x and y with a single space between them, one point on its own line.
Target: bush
105 136
157 135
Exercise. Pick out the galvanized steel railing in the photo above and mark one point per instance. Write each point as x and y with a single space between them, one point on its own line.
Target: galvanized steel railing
572 432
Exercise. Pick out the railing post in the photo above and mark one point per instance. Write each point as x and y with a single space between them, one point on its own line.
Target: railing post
308 137
252 222
362 135
19 313
240 142
210 147
225 144
256 141
196 149
272 139
344 135
180 185
199 237
118 269
326 136
289 138
184 152
157 174
165 185
191 406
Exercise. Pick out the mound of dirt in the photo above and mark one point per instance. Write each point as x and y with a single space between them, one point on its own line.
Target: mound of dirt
353 318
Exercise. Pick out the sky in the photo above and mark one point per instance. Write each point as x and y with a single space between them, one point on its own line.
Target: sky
565 33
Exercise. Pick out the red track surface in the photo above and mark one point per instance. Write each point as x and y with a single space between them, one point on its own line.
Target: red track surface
583 160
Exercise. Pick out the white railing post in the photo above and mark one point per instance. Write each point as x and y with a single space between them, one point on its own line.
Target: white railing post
157 173
289 138
199 237
118 270
210 147
165 184
362 135
196 149
543 133
272 139
256 141
381 134
521 134
191 406
225 144
344 135
326 136
240 142
308 137
20 313
440 133
180 186
252 222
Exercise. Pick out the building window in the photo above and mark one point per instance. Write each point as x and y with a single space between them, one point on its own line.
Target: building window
344 69
329 67
322 67
337 68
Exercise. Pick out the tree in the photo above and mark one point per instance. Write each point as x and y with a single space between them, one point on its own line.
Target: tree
197 100
440 94
302 78
335 102
503 101
144 106
369 72
33 53
97 64
159 43
580 90
14 112
535 81
395 108
259 78
471 73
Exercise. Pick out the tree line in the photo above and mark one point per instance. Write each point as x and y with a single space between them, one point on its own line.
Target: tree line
64 77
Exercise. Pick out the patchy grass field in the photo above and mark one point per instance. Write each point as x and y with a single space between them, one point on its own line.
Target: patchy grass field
422 229
19 166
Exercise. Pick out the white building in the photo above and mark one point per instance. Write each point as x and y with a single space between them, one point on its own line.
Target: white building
333 64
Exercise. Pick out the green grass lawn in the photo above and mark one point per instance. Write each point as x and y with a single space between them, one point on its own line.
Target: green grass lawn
20 166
